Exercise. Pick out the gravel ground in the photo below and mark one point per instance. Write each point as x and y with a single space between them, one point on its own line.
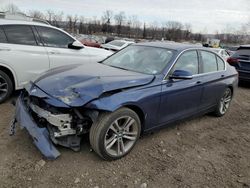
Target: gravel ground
202 152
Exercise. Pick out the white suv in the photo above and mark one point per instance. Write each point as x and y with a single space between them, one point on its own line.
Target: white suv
28 48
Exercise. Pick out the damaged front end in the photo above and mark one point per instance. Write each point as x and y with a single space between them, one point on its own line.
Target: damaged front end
50 125
56 109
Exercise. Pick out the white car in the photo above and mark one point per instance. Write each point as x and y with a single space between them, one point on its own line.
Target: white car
29 48
222 52
116 45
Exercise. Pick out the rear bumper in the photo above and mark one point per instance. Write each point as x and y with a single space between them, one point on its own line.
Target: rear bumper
40 136
244 75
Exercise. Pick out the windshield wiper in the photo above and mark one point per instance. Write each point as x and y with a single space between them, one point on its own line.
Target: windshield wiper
119 67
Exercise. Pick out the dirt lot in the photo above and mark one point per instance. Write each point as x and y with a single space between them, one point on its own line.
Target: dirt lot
203 152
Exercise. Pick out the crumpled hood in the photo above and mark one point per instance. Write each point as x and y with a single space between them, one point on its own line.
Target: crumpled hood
77 85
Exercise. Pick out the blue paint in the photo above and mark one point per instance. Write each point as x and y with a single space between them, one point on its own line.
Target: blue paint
101 87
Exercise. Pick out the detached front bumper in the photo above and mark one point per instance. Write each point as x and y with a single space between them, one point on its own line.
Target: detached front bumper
40 136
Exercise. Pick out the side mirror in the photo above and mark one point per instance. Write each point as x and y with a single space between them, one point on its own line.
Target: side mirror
181 74
76 45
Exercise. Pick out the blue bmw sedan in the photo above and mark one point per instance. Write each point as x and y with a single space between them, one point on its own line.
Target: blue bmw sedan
140 88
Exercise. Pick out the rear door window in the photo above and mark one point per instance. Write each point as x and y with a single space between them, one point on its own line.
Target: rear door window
209 62
3 38
20 34
221 64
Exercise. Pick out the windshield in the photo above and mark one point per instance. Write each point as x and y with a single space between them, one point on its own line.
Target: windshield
143 59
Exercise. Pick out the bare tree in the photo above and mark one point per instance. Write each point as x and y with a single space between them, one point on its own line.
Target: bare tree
128 27
49 15
119 19
107 16
244 30
174 25
153 30
57 18
96 24
36 14
11 8
106 20
173 30
70 23
144 35
187 31
81 25
75 20
136 25
131 26
72 20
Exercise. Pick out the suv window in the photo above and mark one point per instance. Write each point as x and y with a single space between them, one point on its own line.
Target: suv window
2 36
209 62
20 34
54 38
221 64
188 62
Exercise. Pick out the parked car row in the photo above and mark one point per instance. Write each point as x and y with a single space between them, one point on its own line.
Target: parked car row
241 61
116 45
109 43
89 41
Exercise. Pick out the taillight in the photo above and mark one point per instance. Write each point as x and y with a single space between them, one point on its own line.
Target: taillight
232 61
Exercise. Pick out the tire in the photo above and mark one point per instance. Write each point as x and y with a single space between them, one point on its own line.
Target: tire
224 103
6 87
113 142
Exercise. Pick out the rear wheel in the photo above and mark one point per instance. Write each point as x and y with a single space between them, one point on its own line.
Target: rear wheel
114 134
6 87
224 103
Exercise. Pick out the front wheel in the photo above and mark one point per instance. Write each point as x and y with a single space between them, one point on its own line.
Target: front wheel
224 103
114 134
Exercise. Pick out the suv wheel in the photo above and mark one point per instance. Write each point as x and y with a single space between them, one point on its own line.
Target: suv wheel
6 87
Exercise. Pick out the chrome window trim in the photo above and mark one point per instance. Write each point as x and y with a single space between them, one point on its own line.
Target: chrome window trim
196 75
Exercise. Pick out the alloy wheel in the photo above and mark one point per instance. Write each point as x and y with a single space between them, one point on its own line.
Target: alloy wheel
121 136
225 101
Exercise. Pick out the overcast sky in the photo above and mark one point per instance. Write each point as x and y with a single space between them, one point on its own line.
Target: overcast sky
204 15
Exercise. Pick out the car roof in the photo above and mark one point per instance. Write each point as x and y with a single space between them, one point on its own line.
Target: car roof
172 46
125 41
216 49
247 46
4 21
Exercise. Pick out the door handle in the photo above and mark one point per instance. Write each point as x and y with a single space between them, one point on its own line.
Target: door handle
4 49
198 82
222 76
